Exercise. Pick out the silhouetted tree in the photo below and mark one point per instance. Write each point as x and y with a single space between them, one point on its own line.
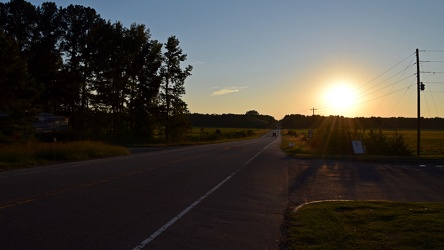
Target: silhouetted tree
252 113
19 21
145 81
79 48
102 75
172 89
45 60
17 91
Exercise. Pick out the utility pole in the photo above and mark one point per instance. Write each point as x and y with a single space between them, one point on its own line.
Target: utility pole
418 134
313 117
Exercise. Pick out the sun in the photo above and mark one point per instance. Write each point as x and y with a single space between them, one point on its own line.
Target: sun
340 98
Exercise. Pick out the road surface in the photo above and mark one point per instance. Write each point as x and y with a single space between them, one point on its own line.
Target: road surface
314 180
222 196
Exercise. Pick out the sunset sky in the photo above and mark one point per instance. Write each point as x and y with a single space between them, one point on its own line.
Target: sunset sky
349 58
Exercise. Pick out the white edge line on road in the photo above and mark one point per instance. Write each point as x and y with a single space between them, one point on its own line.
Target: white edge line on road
319 201
186 210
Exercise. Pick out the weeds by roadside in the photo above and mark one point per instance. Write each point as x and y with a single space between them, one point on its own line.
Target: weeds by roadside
338 142
36 153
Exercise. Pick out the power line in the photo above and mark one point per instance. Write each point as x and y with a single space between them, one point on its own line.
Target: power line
398 73
425 97
393 85
396 91
396 105
367 94
386 71
387 82
427 103
401 72
437 51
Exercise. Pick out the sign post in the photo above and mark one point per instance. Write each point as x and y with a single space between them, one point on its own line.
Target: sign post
358 148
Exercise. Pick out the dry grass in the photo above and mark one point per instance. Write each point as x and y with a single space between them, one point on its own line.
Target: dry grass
36 153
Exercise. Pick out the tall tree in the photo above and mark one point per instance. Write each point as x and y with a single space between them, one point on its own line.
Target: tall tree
80 48
144 80
174 108
88 65
19 22
111 77
17 90
45 60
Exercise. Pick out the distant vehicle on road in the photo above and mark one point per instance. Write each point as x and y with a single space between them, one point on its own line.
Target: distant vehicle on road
274 134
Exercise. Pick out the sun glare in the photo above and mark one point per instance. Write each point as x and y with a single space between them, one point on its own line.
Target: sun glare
340 98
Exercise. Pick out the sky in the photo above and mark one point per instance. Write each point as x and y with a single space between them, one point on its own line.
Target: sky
344 57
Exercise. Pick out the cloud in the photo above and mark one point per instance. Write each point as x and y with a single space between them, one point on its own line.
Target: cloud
228 90
224 92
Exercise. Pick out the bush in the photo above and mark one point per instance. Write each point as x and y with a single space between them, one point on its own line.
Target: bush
338 141
218 135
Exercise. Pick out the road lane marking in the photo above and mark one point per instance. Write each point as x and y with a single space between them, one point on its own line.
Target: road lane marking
186 210
8 204
16 203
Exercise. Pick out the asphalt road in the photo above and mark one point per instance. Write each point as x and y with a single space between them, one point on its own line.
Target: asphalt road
315 180
222 196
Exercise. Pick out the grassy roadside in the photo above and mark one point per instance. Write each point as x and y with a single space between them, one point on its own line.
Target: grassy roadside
32 154
297 146
366 225
202 136
39 153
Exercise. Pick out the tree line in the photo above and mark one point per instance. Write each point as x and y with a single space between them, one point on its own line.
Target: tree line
107 78
251 119
297 121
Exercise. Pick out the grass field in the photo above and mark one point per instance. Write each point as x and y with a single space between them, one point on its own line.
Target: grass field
366 225
432 142
199 135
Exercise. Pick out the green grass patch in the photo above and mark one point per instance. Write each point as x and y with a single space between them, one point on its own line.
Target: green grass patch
37 153
432 143
366 225
202 135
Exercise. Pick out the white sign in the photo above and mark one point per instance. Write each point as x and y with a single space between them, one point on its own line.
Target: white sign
357 147
310 133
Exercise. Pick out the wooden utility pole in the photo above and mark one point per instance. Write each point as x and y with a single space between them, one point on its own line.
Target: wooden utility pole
418 135
313 117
